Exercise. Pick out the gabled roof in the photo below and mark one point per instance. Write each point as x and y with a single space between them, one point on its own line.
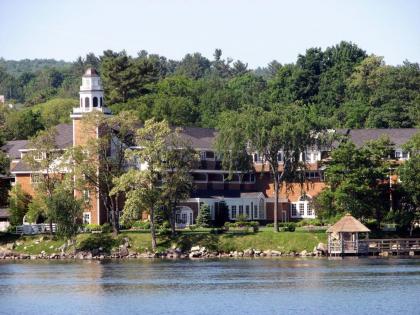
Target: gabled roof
199 138
398 136
348 224
12 148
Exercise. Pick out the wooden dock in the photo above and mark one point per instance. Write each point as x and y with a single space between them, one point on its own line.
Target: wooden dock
395 246
384 247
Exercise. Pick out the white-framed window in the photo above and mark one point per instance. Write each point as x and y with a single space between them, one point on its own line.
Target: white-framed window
310 211
241 210
233 212
202 155
261 209
257 158
36 178
86 217
255 211
247 211
86 195
302 209
312 174
38 155
293 210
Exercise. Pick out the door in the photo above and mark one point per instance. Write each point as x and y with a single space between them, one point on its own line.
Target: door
184 217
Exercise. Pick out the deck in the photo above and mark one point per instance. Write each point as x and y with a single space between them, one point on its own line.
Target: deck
396 246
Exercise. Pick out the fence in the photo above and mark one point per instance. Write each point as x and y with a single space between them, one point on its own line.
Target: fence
27 229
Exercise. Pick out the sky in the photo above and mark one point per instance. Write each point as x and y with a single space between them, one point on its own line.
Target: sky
255 32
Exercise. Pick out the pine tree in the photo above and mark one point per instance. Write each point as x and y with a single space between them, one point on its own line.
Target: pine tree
204 216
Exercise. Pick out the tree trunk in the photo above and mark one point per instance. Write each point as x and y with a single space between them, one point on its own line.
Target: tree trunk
152 229
115 223
172 221
276 203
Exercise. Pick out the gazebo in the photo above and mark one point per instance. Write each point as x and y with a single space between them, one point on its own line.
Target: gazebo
344 237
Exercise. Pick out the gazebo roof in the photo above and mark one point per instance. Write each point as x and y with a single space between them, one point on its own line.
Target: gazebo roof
348 224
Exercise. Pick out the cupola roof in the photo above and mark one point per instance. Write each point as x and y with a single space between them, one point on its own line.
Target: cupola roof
91 72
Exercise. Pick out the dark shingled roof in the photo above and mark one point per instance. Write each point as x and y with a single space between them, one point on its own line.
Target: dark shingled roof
21 166
199 138
218 194
12 148
64 136
397 136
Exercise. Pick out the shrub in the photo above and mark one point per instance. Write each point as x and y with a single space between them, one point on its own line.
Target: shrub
204 216
142 225
244 226
93 228
290 227
106 228
95 241
192 227
164 229
241 218
269 225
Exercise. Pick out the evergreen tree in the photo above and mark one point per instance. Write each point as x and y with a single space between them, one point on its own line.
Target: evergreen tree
204 216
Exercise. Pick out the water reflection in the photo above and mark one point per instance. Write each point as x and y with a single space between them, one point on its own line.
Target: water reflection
247 286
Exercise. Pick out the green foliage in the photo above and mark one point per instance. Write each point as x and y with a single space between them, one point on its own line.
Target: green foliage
204 216
289 227
95 241
355 178
4 184
18 205
92 227
345 86
55 111
143 225
65 211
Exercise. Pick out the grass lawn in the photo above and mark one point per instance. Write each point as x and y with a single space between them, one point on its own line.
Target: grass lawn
141 241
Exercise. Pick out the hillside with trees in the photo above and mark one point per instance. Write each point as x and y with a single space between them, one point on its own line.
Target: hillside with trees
343 87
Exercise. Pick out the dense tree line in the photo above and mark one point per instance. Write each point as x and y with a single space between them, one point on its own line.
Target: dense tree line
342 85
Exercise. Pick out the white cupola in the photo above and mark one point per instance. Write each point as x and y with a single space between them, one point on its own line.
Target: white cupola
91 92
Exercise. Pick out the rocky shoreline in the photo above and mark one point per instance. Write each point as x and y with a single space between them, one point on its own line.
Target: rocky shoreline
124 252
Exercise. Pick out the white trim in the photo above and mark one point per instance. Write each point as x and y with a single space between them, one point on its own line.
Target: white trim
90 217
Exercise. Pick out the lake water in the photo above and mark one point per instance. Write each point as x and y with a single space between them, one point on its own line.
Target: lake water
246 286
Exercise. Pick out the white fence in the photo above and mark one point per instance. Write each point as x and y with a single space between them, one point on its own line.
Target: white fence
35 228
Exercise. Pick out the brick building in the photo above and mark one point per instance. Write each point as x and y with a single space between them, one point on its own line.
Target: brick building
250 195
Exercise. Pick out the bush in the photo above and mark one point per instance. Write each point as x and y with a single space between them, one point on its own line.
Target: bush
192 227
106 228
92 228
243 225
164 229
306 222
290 227
95 241
141 225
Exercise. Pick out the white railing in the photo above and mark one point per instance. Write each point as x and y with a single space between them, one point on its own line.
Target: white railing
35 228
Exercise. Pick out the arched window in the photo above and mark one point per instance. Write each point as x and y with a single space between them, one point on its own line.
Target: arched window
100 102
87 102
95 102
